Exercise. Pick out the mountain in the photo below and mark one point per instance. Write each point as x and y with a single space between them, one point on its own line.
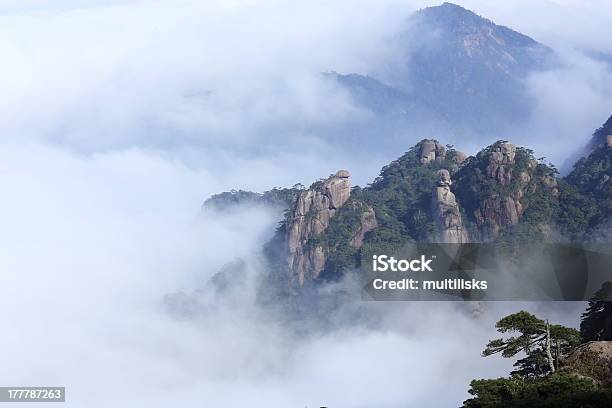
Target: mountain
434 193
601 137
457 68
586 196
231 200
500 194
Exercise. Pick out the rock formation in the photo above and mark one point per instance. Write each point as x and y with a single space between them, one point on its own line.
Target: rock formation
592 360
368 223
501 162
430 151
309 218
504 207
498 212
501 193
446 211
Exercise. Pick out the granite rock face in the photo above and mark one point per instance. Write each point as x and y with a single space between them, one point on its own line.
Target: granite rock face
309 218
498 185
431 151
368 223
501 162
446 211
592 360
499 211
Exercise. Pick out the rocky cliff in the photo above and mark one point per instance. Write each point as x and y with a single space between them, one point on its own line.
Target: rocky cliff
309 218
446 211
331 228
433 193
592 360
498 185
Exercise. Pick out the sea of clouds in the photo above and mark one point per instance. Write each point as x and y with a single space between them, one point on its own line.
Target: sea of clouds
118 118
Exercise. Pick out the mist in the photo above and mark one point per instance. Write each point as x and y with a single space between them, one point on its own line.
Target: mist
92 246
118 118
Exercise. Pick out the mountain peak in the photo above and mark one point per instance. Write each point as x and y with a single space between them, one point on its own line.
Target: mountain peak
449 7
460 21
452 70
448 11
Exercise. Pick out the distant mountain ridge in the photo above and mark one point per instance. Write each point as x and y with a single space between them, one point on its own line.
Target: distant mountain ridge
459 69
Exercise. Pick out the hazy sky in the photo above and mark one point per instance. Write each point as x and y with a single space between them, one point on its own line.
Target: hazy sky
118 118
190 77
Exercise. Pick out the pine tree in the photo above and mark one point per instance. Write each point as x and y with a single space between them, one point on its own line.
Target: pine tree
541 342
596 324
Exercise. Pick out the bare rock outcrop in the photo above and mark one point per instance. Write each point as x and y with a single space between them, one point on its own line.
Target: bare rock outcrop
430 151
501 163
446 211
368 223
592 360
309 218
502 210
499 184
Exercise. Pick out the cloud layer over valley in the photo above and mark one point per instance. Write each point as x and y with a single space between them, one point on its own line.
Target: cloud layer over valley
118 118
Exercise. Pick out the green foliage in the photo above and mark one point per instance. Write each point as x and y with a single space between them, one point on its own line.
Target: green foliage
341 255
530 180
578 213
532 366
476 186
278 197
589 172
226 199
529 336
532 385
492 393
596 321
530 328
560 390
401 199
402 194
586 197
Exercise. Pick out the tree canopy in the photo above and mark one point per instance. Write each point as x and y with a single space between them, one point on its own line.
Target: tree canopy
596 321
543 343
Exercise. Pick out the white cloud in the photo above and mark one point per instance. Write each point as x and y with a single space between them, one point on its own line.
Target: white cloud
117 118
